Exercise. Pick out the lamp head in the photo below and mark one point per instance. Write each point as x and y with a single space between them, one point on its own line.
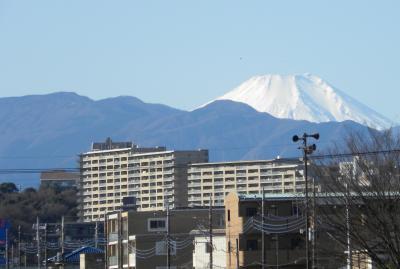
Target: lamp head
315 136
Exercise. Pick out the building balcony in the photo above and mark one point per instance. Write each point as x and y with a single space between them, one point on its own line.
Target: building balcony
112 237
113 261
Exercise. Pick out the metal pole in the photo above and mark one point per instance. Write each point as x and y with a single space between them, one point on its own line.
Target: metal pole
19 246
38 242
12 256
45 246
96 235
62 237
211 233
62 240
237 253
314 223
119 234
348 227
307 209
262 230
167 244
6 254
105 230
127 239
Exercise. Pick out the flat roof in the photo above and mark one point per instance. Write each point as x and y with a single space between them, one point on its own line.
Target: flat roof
294 161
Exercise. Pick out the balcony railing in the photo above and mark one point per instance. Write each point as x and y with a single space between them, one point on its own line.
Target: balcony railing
112 237
113 261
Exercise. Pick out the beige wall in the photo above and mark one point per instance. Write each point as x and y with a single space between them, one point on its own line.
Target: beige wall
244 177
153 178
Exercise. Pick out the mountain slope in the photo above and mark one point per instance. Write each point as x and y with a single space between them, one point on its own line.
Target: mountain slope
49 131
303 97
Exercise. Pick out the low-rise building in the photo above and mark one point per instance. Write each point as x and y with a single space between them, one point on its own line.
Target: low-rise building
157 239
282 229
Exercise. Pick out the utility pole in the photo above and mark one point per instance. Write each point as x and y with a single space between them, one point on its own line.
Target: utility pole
348 227
237 253
167 244
127 240
96 235
62 241
314 223
105 230
38 242
12 257
306 149
262 230
211 233
307 208
19 246
6 254
277 250
119 240
62 237
45 246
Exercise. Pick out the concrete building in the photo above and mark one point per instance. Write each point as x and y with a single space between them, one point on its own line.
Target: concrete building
139 239
201 252
59 179
244 177
284 243
152 176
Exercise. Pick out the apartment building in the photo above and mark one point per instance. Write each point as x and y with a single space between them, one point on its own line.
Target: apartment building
216 180
284 241
59 179
141 240
153 177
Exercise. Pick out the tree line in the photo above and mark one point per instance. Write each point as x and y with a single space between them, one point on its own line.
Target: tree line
22 208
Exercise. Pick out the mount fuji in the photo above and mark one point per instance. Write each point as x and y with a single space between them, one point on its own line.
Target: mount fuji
304 97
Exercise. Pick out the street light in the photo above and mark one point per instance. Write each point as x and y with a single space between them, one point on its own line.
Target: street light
308 149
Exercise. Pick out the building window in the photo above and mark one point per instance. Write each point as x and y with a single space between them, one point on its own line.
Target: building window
251 212
157 224
251 245
229 215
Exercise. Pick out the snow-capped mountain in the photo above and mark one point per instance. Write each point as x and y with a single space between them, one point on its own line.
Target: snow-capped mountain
303 97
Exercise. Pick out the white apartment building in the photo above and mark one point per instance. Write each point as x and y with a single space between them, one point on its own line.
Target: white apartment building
153 176
216 180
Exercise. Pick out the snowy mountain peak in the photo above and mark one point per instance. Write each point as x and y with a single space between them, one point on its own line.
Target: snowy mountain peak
303 97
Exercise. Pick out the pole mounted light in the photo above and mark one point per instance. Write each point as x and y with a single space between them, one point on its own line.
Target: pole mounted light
307 150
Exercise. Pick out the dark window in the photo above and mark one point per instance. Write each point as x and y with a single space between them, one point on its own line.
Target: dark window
251 212
229 215
157 224
252 244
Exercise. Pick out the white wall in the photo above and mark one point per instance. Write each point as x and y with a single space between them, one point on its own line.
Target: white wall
201 257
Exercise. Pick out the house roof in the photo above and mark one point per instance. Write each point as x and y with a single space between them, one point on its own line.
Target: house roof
74 256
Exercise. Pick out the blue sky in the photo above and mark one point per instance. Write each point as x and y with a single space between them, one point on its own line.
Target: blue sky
185 53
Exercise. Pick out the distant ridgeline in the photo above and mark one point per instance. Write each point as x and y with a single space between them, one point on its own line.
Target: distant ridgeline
48 132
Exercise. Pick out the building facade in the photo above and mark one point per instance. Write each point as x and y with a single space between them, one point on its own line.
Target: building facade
151 176
141 240
216 180
283 244
59 179
201 252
